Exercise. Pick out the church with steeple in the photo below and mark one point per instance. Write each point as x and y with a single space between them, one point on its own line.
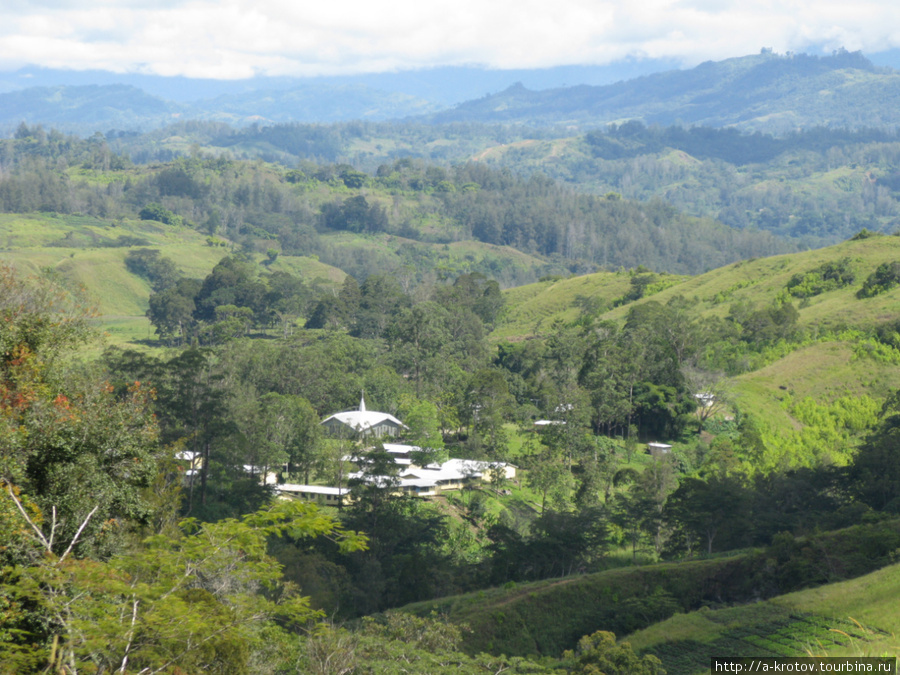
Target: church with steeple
362 422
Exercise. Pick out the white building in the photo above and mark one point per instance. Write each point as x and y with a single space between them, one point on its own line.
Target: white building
419 481
362 422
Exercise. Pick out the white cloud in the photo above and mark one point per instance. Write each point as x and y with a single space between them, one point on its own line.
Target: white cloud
237 38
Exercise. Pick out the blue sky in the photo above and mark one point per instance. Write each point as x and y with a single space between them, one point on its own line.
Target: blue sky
241 38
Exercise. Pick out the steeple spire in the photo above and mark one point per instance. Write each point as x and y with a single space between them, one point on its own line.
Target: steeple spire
362 402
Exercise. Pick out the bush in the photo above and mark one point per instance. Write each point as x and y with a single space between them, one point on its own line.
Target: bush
827 277
160 214
147 263
883 279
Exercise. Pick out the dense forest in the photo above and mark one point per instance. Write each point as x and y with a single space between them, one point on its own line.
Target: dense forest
817 185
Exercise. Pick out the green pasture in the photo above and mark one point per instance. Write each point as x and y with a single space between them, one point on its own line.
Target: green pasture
81 250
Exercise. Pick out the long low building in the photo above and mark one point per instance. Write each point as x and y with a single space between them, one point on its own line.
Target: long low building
419 481
314 492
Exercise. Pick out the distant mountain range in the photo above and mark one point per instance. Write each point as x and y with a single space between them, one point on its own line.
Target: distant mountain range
444 86
767 91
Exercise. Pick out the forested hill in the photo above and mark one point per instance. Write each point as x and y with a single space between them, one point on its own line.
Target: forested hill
820 185
335 211
763 92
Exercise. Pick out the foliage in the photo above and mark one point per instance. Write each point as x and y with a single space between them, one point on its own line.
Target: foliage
158 212
550 616
414 338
261 207
224 305
160 271
58 432
40 316
206 599
402 643
883 279
354 214
599 653
827 277
874 470
422 418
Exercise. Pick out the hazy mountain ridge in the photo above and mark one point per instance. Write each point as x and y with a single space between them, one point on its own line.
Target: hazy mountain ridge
763 92
82 106
372 96
760 92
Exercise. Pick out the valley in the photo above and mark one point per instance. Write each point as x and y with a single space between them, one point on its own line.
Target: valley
681 343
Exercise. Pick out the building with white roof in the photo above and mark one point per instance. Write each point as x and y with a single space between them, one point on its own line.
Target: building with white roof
659 448
319 493
419 481
362 422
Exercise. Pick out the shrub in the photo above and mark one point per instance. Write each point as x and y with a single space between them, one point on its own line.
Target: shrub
160 214
827 277
883 279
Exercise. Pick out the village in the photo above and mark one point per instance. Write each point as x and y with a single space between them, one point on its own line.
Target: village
426 480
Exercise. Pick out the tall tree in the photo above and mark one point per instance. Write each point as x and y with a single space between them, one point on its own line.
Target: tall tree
875 472
417 335
489 404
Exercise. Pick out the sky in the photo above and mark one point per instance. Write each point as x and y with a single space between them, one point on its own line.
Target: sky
235 39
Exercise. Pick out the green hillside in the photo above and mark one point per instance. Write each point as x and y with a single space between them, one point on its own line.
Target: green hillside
417 259
90 253
831 365
761 280
669 441
532 309
549 616
850 618
817 186
756 281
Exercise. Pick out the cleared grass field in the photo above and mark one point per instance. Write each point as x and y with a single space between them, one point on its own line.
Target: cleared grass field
756 281
759 281
506 264
88 254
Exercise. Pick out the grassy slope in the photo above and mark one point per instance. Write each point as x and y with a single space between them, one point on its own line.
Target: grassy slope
824 371
858 617
531 310
759 281
119 296
550 616
32 241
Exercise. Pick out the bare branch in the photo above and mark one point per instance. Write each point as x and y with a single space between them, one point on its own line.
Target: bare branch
78 534
34 527
52 526
134 608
